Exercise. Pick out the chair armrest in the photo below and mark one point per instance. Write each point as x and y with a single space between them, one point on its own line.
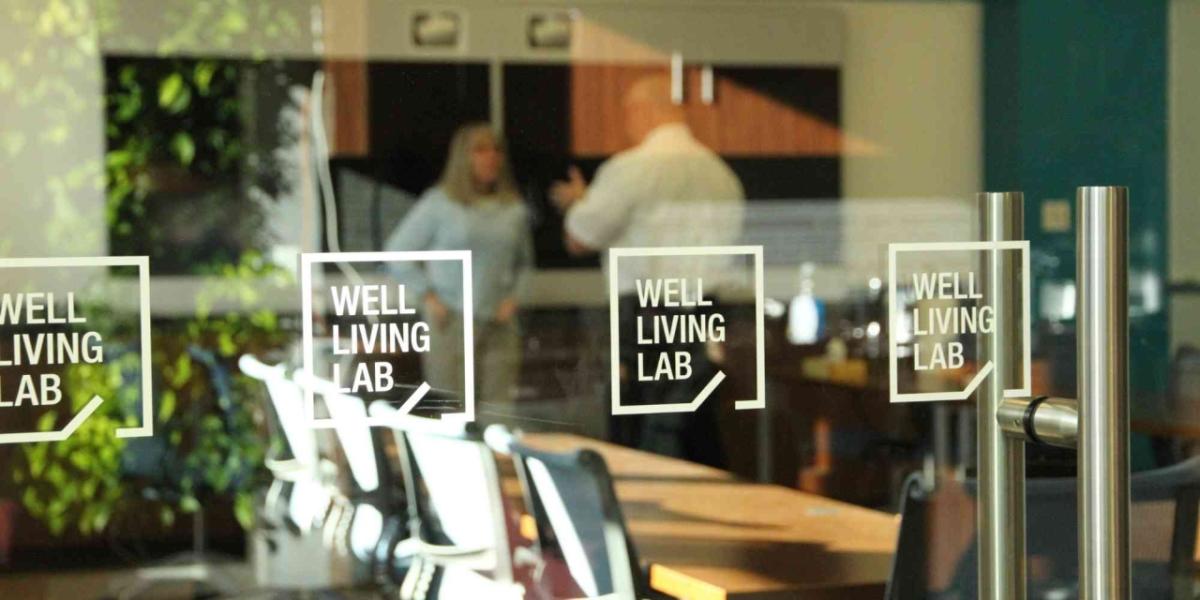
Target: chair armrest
443 555
439 551
289 470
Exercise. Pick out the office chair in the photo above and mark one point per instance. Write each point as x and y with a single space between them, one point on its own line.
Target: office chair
1183 406
580 527
296 516
460 545
907 579
1163 541
368 520
303 482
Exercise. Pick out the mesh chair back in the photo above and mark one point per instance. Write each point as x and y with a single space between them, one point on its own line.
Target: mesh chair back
350 425
907 578
287 406
579 521
453 487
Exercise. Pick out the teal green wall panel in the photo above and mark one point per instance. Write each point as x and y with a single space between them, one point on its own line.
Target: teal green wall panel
1075 94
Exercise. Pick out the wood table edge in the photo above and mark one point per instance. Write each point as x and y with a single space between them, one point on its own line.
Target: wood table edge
669 581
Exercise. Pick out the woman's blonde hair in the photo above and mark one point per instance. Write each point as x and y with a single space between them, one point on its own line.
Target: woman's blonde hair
457 179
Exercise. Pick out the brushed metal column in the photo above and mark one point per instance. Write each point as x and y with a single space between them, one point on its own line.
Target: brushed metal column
1001 459
1103 340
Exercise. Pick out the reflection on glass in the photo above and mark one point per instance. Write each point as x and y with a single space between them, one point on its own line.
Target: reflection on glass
223 139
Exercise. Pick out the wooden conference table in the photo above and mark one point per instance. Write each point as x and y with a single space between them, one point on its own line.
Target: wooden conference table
706 535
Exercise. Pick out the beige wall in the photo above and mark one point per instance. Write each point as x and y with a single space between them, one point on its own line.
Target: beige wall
913 86
1183 147
51 144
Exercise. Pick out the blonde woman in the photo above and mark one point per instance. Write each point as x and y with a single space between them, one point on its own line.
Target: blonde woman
474 206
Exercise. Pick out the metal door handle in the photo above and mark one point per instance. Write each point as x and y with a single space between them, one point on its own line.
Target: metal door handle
1041 420
1097 425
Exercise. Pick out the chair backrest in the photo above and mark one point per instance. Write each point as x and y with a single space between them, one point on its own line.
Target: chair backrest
1185 384
351 426
907 578
453 487
579 521
1163 511
308 500
287 404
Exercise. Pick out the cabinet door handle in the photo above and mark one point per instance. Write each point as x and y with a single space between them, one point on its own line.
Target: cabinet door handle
708 93
676 78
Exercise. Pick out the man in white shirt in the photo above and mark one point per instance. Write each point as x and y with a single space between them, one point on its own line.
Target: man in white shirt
668 190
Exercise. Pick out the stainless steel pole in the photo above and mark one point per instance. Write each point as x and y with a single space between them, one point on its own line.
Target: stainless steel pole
1103 340
1001 515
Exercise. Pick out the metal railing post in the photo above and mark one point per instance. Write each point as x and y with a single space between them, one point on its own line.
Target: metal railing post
1103 343
1001 459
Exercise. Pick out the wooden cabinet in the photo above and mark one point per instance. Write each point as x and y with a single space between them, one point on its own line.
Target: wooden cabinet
348 95
756 111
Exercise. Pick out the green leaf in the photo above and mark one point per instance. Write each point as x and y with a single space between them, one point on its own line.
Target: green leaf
128 107
211 423
183 147
30 499
202 76
225 344
37 460
183 370
89 488
173 94
46 421
170 89
166 405
56 475
243 510
115 159
189 504
81 460
57 523
100 518
128 75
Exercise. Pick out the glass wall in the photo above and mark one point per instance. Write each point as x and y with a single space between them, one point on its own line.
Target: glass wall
499 300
